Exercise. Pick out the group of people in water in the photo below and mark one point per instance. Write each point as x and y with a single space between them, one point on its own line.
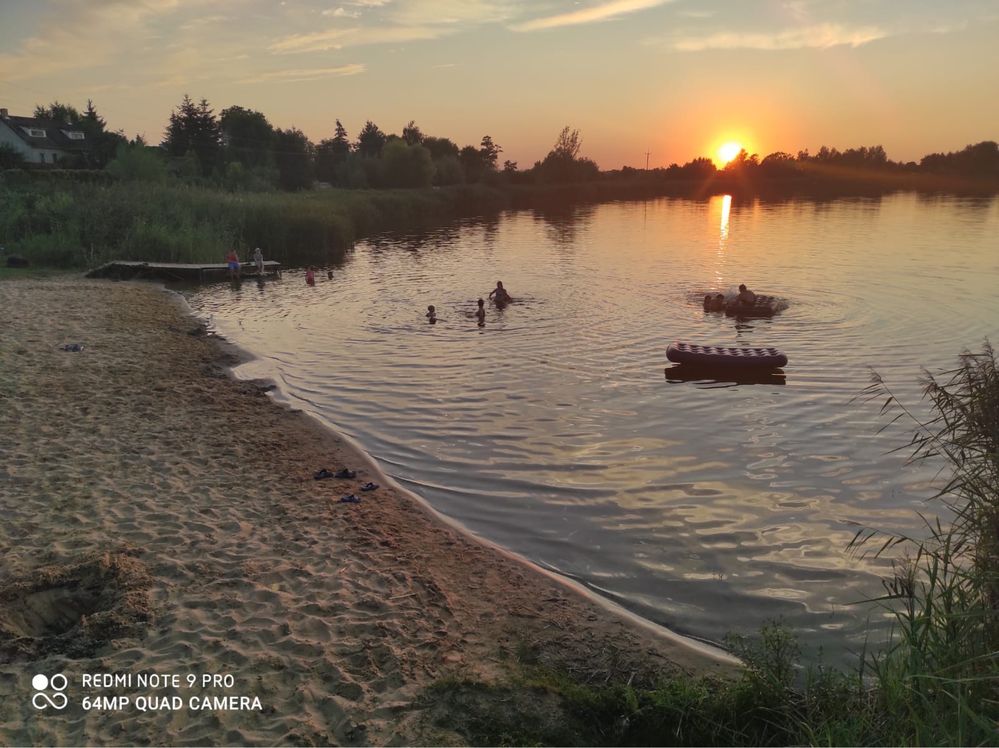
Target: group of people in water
499 295
745 299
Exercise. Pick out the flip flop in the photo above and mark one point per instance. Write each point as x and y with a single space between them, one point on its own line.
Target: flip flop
345 473
72 347
369 486
324 473
349 499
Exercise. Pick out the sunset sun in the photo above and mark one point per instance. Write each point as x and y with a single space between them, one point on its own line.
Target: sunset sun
728 151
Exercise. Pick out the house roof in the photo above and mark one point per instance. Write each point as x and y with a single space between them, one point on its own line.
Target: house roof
55 133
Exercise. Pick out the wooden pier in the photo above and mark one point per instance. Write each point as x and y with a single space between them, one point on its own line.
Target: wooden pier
128 270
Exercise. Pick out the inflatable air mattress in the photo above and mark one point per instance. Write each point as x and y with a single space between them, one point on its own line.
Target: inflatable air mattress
765 306
736 358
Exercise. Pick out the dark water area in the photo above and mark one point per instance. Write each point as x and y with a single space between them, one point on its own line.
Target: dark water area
556 431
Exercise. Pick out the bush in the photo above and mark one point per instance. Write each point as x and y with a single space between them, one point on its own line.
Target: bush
137 163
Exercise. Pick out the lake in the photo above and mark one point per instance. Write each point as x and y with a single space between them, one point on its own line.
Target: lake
710 507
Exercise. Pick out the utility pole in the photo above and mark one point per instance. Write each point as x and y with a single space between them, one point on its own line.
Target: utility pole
647 154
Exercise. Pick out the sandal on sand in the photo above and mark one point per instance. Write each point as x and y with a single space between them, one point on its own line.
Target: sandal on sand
369 486
349 499
324 473
345 473
72 347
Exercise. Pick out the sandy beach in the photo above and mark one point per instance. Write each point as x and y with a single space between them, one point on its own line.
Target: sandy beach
161 516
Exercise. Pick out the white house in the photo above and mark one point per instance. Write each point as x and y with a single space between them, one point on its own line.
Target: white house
42 141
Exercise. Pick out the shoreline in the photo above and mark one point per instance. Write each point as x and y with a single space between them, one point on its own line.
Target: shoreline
240 356
145 447
700 646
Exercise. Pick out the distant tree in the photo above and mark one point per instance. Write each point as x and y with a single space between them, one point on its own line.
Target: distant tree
471 162
509 167
779 164
406 165
10 157
742 163
440 147
371 140
63 114
194 129
293 157
247 137
448 170
353 174
826 155
489 152
980 160
331 156
104 143
341 144
568 144
563 163
325 162
411 134
136 162
698 168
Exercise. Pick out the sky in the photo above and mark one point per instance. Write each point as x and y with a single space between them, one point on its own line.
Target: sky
673 79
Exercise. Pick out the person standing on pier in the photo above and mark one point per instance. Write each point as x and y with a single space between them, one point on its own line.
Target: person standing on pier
233 261
258 258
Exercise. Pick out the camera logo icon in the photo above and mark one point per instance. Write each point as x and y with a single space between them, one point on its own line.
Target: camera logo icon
43 684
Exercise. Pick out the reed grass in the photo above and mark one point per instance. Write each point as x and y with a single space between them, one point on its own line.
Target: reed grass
67 223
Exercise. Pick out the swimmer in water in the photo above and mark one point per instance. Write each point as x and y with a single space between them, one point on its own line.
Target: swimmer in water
480 313
499 294
431 315
310 276
745 297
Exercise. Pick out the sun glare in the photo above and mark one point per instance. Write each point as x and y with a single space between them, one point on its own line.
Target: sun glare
728 151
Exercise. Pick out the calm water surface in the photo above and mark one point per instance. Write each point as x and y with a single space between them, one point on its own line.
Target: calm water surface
708 507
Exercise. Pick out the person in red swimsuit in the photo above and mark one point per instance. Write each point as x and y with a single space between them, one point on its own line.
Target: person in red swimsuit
233 261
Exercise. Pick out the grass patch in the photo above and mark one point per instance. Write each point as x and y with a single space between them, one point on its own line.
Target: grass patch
770 702
32 272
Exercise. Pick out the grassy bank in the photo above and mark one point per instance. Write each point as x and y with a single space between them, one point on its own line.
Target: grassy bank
936 682
71 224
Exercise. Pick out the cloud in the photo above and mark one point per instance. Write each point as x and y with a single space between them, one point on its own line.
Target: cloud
351 37
341 12
67 32
593 14
452 12
295 76
821 36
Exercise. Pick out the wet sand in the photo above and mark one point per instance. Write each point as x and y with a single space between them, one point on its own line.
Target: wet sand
161 516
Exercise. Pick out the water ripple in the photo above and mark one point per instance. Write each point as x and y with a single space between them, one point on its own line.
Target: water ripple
705 505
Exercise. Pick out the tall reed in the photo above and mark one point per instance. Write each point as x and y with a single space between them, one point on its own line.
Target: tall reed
76 224
938 679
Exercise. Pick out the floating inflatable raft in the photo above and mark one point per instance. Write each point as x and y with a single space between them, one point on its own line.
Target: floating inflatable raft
736 358
765 306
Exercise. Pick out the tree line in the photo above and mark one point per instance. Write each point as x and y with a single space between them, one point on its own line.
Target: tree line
239 149
979 161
